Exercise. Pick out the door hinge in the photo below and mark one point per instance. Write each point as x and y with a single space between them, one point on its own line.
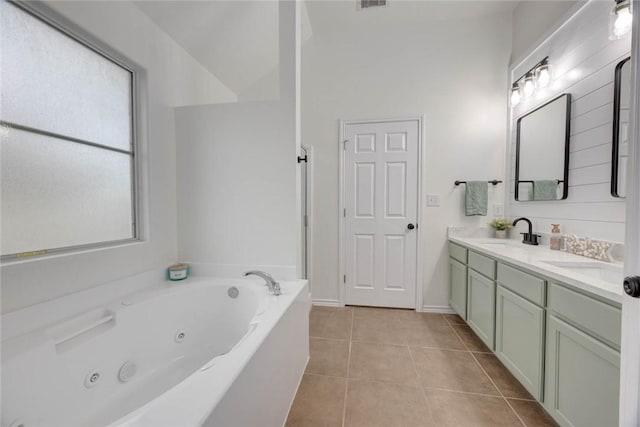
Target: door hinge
344 144
344 279
306 220
344 212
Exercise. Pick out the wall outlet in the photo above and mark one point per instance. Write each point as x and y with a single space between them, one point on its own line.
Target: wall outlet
433 200
498 209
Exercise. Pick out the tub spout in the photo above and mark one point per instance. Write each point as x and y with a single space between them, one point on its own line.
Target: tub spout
274 287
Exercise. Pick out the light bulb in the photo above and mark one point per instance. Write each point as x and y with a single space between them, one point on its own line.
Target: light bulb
543 76
515 96
622 19
529 87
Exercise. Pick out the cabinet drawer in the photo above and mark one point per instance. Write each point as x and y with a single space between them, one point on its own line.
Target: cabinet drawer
458 252
482 264
593 316
523 284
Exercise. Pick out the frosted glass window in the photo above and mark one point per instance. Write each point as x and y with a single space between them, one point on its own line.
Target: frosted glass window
51 81
66 152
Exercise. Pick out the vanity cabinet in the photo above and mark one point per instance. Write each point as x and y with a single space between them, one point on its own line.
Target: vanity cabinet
458 287
582 377
458 279
582 371
520 339
561 342
520 326
481 306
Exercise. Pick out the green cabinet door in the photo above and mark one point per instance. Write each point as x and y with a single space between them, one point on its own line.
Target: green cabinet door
520 339
481 306
582 376
458 287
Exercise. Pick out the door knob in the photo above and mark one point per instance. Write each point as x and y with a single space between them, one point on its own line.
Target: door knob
631 286
411 226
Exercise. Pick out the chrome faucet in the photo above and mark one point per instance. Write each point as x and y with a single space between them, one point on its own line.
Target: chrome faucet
274 287
528 238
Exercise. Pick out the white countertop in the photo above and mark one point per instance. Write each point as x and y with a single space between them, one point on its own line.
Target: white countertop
532 258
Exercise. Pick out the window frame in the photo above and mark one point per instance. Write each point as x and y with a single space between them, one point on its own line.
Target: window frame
71 30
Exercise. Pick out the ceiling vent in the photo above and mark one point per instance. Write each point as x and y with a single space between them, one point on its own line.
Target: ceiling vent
367 4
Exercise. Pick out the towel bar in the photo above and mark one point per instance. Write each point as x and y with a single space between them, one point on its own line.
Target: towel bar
493 182
560 181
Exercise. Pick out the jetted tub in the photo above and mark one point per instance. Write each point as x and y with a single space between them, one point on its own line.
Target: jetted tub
176 355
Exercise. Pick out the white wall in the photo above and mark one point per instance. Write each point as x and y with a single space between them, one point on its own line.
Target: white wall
532 19
583 63
172 77
454 74
237 196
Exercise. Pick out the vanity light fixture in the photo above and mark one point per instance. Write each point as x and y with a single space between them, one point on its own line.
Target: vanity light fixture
515 95
529 85
620 19
543 74
538 77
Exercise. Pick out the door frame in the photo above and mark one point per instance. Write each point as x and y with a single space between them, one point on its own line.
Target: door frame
630 347
342 203
310 215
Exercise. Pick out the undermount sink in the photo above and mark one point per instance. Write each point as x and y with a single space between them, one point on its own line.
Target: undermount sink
607 272
494 245
500 245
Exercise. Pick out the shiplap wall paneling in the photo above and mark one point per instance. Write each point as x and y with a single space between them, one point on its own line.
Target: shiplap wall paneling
583 61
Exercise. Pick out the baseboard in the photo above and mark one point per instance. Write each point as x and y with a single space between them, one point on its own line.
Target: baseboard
425 308
437 309
326 303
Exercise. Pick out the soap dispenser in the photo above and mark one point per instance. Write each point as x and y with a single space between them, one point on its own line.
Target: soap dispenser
555 240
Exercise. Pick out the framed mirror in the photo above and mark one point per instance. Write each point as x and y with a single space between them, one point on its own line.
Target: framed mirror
542 152
621 115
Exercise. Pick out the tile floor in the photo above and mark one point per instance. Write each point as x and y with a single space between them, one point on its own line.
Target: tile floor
384 367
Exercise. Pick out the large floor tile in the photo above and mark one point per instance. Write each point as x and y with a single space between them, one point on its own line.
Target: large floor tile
470 339
451 370
373 404
437 334
378 330
328 322
454 319
319 402
385 313
428 318
508 385
451 409
381 362
328 357
532 413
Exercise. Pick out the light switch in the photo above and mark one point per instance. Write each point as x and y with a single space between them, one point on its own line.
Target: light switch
498 210
433 200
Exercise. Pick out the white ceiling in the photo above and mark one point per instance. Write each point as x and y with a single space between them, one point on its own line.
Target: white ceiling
235 40
342 15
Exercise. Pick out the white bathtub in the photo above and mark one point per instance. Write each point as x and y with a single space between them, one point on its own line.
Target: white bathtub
175 355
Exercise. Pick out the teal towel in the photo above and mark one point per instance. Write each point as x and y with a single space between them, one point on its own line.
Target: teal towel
476 198
545 189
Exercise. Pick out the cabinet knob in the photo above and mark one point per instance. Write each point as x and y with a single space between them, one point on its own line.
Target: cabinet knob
631 286
411 226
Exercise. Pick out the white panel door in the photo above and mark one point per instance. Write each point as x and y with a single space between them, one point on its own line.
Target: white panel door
381 210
